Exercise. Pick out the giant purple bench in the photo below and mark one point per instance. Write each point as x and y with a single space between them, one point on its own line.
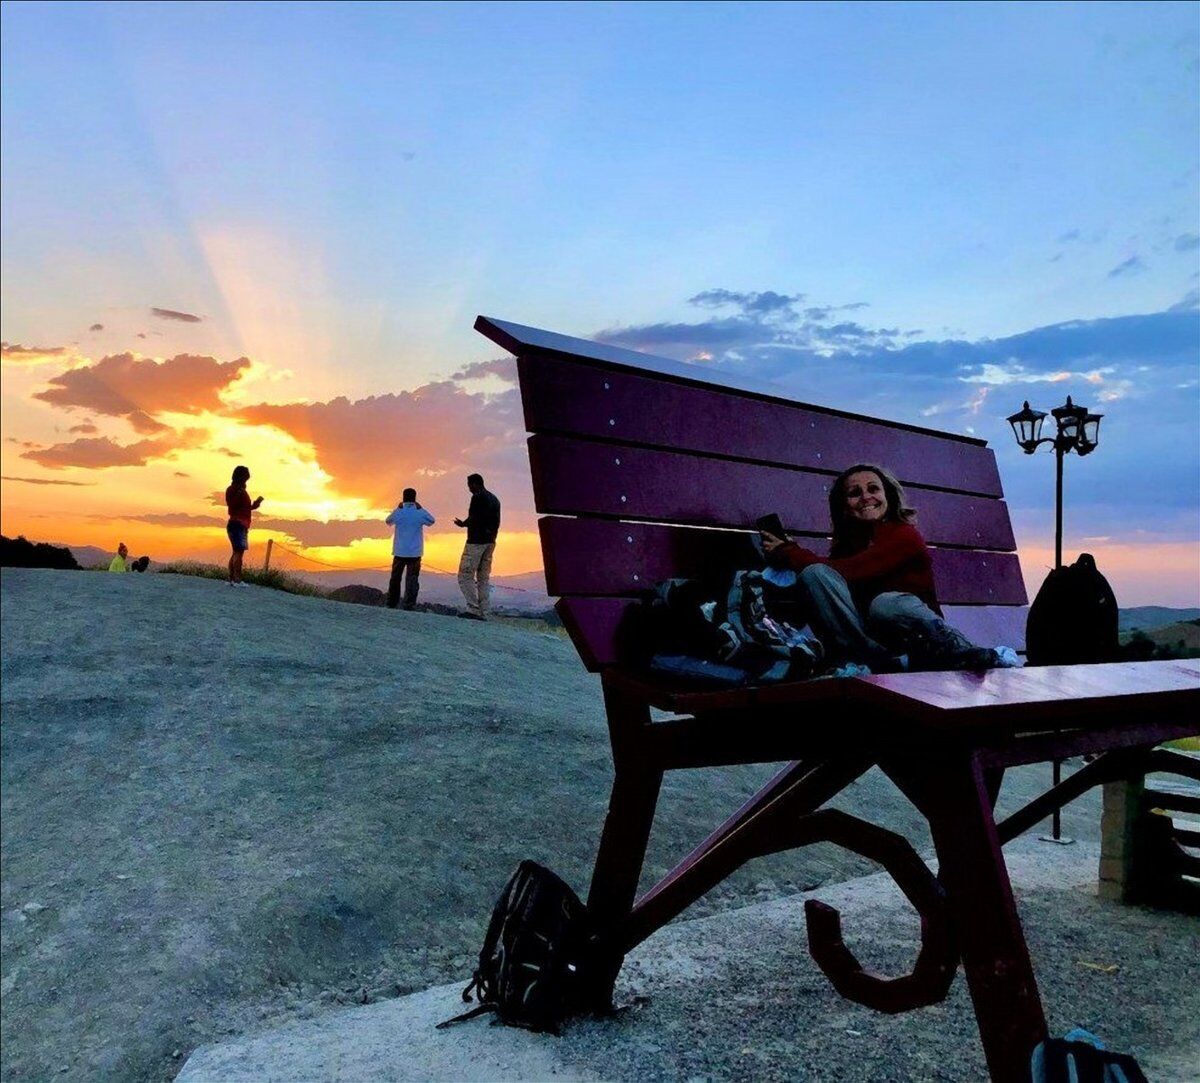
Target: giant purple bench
645 469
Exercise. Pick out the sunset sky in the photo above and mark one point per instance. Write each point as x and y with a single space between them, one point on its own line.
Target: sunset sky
261 233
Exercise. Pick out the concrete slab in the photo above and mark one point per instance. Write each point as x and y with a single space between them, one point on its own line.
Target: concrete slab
735 995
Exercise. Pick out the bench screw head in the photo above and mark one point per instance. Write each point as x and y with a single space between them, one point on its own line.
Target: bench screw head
617 461
629 538
605 385
622 499
612 421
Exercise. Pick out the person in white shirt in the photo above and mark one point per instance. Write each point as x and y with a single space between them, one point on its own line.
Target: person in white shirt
409 521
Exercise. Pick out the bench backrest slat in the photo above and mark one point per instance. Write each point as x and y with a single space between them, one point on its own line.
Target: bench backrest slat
661 467
592 556
582 477
569 397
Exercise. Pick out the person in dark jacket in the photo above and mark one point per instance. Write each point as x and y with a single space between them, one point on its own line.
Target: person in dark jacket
872 600
475 568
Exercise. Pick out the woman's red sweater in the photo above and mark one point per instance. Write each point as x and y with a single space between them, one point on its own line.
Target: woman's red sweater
895 558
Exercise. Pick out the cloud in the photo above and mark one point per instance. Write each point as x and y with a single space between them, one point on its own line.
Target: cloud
315 532
762 304
45 481
172 314
173 519
94 453
1133 265
1133 368
181 474
1187 242
17 354
503 367
762 318
429 438
96 327
1189 302
135 388
85 428
1013 373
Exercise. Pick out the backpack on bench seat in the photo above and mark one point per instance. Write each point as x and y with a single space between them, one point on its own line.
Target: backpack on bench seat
534 967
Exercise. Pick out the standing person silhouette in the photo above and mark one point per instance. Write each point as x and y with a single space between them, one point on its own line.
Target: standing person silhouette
409 521
118 563
238 501
475 568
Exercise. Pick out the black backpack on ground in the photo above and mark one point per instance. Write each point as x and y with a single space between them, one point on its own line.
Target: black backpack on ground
535 965
1073 619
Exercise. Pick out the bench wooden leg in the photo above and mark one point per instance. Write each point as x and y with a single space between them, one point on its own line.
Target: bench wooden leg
953 795
799 788
622 852
619 866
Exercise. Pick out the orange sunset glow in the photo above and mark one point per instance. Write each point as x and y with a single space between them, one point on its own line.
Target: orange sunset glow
133 448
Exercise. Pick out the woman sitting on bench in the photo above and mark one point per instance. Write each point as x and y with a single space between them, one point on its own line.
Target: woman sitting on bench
872 599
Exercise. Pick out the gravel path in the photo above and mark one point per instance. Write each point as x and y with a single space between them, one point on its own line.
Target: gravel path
227 808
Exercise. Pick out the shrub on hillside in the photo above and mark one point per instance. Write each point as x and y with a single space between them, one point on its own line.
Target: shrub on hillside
358 594
1141 648
19 553
276 580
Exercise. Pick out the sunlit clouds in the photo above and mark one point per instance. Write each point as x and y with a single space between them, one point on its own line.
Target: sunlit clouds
160 437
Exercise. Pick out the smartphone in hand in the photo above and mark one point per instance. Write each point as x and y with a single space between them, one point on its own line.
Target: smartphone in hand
771 524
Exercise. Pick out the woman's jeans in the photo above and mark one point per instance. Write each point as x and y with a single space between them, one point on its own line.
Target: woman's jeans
896 624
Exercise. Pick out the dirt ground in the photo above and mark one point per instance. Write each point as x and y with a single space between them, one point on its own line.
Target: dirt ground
223 808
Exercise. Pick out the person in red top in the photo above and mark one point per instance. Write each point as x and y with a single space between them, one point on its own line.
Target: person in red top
873 600
238 501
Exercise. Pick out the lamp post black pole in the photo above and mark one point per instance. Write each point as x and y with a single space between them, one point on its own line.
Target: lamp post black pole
1059 453
1078 429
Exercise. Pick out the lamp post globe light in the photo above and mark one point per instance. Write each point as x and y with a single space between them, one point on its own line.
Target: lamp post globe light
1077 429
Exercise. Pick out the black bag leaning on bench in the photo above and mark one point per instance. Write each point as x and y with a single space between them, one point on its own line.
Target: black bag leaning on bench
534 966
1073 619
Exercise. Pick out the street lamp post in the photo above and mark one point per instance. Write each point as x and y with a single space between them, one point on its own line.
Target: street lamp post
1078 430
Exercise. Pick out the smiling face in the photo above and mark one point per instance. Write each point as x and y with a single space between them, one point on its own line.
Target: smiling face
866 499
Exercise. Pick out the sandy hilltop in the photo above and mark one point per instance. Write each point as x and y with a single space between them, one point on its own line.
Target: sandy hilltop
225 810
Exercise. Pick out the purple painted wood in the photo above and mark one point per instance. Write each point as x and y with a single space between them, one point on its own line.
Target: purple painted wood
952 793
600 556
593 623
937 960
578 399
582 477
550 352
1088 696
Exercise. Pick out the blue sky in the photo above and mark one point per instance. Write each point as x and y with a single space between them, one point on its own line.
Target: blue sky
337 190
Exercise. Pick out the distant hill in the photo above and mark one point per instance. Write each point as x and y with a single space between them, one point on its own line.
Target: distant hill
1145 617
525 593
1183 635
92 556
